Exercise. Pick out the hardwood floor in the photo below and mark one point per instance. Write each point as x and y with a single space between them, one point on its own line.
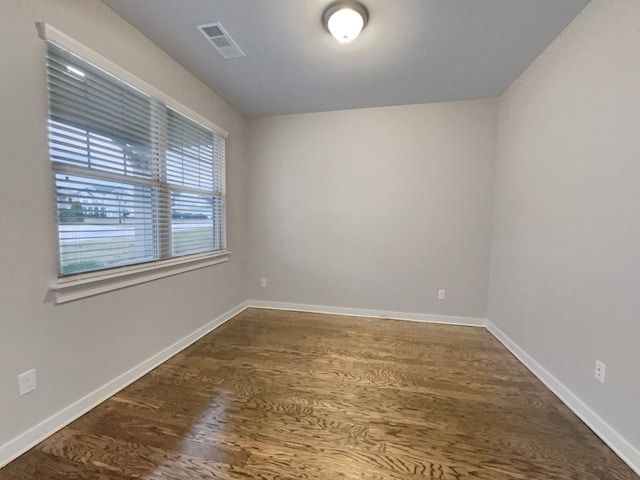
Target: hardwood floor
289 395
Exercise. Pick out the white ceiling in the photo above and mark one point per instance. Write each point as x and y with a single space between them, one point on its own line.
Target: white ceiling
412 51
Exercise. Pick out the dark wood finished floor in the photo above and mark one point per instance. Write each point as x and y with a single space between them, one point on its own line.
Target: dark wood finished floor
289 395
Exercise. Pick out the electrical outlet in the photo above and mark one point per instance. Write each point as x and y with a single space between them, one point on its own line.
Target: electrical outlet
442 294
263 283
601 370
27 382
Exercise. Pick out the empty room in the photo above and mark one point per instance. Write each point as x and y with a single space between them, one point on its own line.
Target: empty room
287 239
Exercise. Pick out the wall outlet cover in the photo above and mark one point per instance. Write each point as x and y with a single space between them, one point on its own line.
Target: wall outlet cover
600 371
27 382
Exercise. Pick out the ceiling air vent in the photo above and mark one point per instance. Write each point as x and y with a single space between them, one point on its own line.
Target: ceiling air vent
220 39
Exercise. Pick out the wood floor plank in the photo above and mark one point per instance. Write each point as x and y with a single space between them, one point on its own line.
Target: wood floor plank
276 395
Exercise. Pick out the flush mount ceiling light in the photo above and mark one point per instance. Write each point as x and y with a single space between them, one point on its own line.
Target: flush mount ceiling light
345 20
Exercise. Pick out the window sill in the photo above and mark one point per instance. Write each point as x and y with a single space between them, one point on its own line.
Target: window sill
90 284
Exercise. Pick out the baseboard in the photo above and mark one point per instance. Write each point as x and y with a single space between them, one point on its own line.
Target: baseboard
27 440
627 452
360 312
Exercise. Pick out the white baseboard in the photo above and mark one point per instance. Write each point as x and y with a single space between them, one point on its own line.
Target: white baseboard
23 442
360 312
627 452
17 446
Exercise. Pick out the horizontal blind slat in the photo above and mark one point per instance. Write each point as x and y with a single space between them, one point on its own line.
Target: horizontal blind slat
132 176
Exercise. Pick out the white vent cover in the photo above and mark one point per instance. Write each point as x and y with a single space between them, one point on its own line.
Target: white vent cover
220 39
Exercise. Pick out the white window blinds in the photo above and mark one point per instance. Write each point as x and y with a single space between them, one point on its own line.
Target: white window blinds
136 180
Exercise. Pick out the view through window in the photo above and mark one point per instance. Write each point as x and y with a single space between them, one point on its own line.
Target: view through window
136 181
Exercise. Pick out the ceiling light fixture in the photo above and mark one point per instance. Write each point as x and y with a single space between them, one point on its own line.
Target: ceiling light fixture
345 20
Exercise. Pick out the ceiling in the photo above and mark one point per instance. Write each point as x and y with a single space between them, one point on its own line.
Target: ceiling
412 51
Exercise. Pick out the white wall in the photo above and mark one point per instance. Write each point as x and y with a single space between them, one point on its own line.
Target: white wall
565 263
372 209
375 208
78 347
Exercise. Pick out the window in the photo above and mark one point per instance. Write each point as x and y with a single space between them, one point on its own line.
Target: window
136 180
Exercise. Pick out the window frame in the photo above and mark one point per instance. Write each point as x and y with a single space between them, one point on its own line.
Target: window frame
72 287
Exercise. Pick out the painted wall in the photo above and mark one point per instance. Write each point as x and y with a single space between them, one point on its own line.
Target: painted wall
375 208
566 240
80 346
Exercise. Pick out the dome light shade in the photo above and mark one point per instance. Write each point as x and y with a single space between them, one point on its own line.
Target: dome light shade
345 20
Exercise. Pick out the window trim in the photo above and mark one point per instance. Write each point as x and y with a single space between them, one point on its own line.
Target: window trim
47 32
89 284
70 288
